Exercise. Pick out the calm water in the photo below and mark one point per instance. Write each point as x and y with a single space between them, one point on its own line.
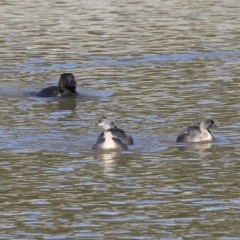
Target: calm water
154 67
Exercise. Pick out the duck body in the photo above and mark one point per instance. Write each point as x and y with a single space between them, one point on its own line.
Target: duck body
120 134
66 87
109 142
199 133
111 137
52 91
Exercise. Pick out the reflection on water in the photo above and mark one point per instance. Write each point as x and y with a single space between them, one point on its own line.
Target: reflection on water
153 66
107 160
197 149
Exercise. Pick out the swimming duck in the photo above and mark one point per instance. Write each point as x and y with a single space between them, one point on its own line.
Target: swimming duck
109 140
118 133
199 133
66 87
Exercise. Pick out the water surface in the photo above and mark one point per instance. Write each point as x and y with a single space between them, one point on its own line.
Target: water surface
155 67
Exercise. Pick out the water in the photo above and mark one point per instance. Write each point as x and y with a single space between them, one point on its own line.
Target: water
155 67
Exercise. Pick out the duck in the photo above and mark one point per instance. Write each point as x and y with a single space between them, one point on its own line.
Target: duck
108 139
118 133
199 133
66 87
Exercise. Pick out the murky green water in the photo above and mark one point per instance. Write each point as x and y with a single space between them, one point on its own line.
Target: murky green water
153 66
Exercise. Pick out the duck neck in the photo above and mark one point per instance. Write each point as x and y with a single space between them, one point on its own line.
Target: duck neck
67 91
108 135
206 134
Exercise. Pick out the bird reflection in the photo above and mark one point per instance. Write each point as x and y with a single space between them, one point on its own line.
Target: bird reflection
203 149
67 103
107 159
